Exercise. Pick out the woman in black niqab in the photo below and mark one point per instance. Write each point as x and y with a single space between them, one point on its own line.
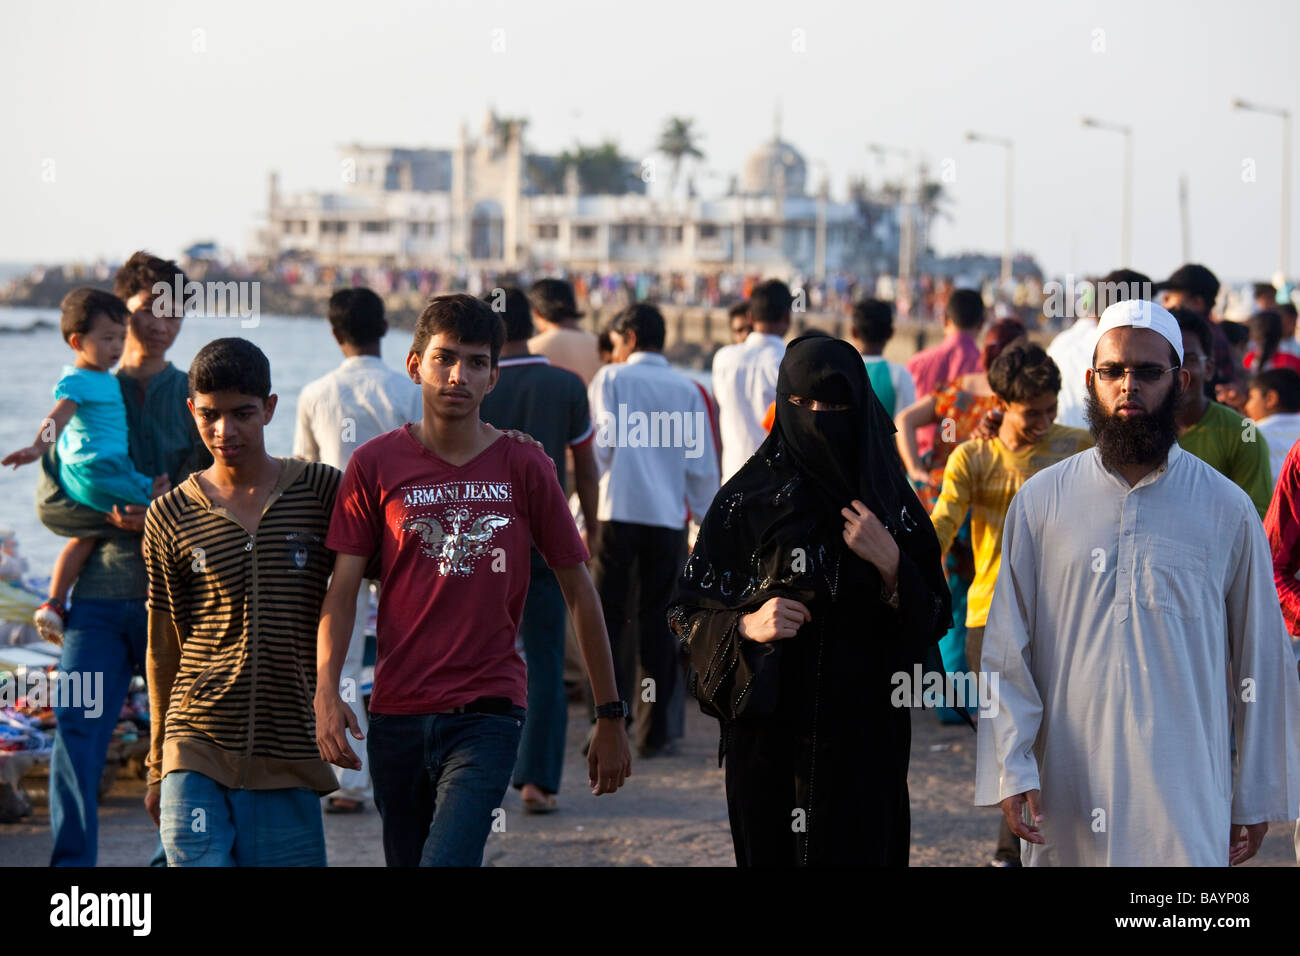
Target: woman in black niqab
816 752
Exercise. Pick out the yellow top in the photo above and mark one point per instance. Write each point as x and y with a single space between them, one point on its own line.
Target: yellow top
983 475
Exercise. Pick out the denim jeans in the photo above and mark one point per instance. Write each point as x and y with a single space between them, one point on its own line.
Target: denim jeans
439 778
541 746
107 638
207 824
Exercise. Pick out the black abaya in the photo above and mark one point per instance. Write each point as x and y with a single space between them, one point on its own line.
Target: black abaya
816 754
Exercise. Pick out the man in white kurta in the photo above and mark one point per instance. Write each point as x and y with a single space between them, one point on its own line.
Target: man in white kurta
1132 629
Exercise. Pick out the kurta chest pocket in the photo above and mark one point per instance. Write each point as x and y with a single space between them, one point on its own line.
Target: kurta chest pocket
1172 577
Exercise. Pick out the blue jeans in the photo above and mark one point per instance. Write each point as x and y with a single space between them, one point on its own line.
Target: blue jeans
107 638
439 780
541 746
207 824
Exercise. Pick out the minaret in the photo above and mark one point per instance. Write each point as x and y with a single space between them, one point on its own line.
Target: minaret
512 227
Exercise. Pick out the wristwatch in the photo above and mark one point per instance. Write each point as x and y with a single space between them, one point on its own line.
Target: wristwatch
890 599
615 708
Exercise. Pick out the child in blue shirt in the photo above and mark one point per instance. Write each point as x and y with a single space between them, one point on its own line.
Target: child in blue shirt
89 424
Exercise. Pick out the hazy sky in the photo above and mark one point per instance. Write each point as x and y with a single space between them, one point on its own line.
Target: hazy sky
157 135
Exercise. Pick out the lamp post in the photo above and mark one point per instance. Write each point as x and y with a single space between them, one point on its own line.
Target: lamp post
1126 226
1010 147
1284 249
1183 219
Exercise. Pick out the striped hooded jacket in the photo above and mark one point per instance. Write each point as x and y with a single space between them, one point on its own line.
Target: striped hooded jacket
232 633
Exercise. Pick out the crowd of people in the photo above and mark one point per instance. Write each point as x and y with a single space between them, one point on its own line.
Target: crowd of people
530 496
922 298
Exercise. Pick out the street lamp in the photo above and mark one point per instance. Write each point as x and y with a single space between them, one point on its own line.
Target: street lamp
1284 251
1010 147
1126 227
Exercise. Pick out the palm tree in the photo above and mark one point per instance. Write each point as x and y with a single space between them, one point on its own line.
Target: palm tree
933 203
602 170
677 141
547 177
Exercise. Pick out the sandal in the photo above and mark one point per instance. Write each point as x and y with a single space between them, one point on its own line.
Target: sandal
50 620
547 804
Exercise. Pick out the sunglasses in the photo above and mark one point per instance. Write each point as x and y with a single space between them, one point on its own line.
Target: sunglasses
1143 373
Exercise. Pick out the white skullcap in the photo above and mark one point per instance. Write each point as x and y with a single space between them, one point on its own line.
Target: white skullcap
1141 314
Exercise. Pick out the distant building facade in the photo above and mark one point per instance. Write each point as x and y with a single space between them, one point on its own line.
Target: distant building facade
486 204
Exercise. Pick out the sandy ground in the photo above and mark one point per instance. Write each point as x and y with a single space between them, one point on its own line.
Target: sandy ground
672 812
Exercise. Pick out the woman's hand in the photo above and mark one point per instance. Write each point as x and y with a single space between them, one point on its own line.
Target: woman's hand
867 537
776 620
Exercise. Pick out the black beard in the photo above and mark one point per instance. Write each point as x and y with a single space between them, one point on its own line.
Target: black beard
1144 440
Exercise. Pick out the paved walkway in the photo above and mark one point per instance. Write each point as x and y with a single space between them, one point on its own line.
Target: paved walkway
671 812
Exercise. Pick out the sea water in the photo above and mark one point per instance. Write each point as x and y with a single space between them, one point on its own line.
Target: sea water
299 349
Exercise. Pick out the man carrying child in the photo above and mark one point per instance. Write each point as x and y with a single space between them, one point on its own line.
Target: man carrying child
106 626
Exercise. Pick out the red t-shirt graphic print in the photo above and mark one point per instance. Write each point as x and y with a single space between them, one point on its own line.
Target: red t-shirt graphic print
454 549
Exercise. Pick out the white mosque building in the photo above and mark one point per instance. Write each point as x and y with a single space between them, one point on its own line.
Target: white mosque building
486 204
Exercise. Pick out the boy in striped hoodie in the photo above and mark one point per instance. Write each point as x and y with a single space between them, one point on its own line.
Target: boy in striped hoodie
237 569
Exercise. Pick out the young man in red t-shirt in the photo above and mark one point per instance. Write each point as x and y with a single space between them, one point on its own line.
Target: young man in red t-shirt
450 505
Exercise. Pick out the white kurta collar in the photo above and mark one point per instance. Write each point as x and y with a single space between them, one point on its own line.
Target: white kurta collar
1171 459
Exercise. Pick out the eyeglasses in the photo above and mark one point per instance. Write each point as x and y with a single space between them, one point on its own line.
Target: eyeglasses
1143 373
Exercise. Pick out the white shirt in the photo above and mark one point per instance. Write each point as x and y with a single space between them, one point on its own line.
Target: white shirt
1132 631
342 410
1281 431
654 443
744 386
1071 350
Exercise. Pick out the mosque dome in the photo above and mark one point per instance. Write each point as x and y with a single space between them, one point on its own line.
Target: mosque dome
775 168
